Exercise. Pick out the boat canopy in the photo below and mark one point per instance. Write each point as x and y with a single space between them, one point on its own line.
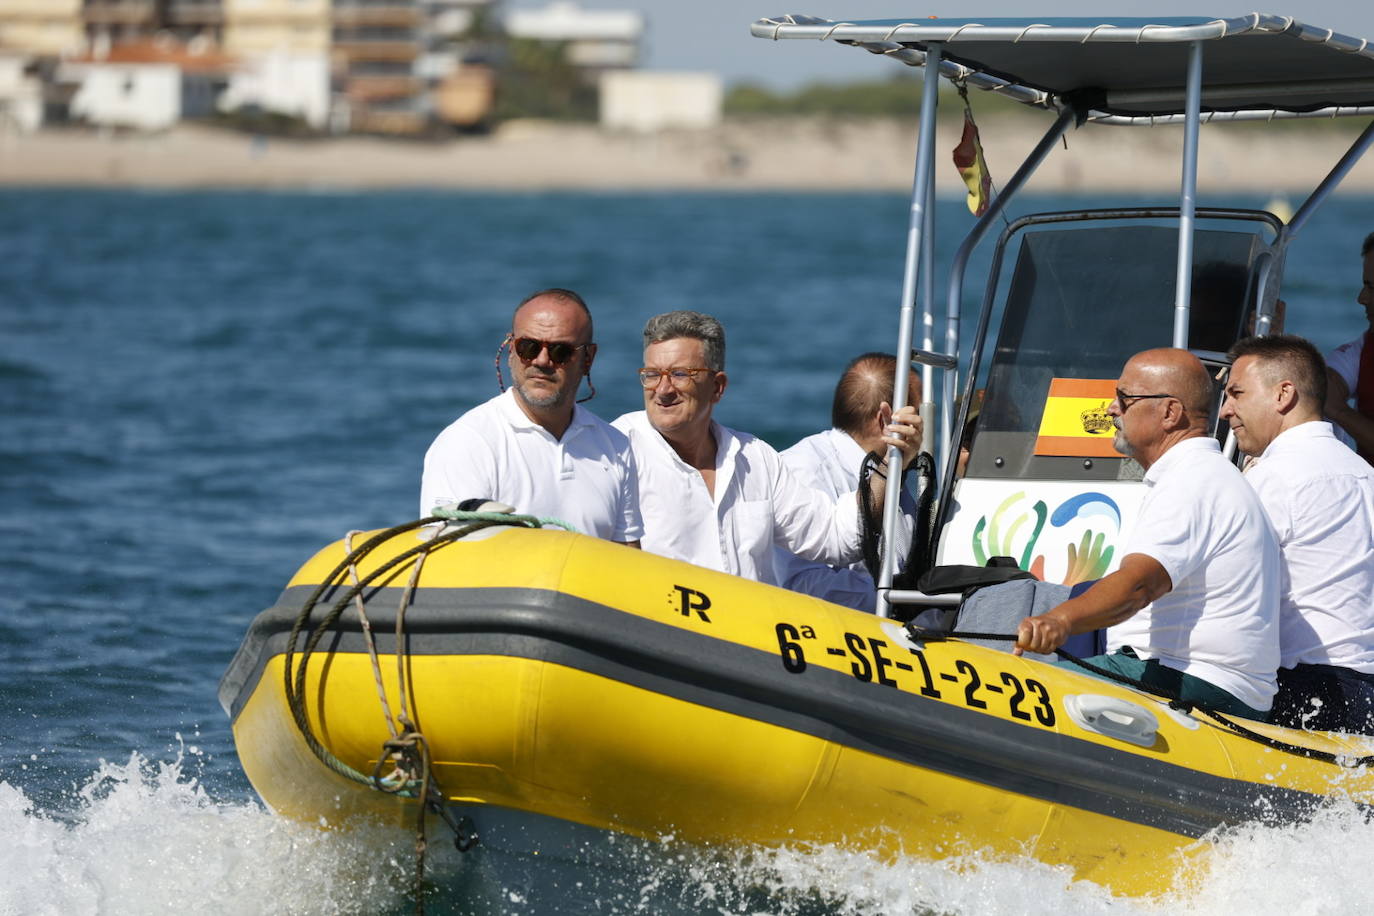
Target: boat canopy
1127 71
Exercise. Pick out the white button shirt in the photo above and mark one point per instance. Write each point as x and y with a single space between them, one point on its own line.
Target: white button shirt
829 461
1206 527
1319 495
757 504
494 451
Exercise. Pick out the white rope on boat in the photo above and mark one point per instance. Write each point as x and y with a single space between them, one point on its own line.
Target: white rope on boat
367 635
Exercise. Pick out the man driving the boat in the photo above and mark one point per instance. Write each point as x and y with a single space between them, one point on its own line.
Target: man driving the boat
1319 495
1350 370
1193 608
719 498
532 446
830 461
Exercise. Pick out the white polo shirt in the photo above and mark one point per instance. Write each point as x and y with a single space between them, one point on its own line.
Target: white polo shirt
495 451
1206 527
829 461
757 504
1319 495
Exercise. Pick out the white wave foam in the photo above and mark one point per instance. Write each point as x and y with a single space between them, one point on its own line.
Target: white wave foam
146 838
1320 867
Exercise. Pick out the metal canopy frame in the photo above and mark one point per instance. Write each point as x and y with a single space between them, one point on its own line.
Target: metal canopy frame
934 46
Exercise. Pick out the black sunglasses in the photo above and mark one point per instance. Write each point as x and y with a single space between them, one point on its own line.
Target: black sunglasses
529 348
1126 400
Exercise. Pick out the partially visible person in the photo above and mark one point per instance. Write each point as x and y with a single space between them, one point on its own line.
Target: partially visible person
830 461
1350 370
1319 495
1193 608
724 499
532 446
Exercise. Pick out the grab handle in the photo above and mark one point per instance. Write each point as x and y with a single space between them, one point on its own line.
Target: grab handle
1113 717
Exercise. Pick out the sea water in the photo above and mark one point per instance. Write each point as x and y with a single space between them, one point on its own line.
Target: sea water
198 390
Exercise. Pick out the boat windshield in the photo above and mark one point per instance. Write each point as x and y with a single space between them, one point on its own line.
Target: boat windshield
1080 302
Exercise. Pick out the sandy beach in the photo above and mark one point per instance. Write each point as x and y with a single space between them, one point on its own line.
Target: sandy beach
757 154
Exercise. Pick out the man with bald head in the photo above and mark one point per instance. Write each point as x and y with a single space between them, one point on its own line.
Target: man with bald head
532 446
1319 495
829 461
1193 608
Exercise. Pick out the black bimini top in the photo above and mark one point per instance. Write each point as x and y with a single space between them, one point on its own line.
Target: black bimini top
1128 71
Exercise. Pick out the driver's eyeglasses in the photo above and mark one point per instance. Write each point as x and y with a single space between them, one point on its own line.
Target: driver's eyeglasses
1126 400
528 349
678 377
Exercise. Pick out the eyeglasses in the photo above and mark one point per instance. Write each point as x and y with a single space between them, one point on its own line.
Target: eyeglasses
1126 400
678 377
529 348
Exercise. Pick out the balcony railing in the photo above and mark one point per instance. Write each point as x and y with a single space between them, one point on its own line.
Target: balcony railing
378 88
389 15
378 50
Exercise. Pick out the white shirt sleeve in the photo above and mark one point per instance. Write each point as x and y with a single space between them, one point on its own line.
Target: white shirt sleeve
809 523
1345 362
459 465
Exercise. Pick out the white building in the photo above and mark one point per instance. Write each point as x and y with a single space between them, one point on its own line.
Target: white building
642 100
291 84
596 39
145 85
21 96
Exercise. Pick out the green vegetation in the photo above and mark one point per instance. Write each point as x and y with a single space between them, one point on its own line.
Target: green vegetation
537 81
897 97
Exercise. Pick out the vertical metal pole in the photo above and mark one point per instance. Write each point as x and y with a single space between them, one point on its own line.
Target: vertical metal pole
1187 200
921 200
928 439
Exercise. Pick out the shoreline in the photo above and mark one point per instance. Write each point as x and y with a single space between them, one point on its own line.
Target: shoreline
746 155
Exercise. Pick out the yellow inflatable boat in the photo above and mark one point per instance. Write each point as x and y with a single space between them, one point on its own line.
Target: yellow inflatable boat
590 683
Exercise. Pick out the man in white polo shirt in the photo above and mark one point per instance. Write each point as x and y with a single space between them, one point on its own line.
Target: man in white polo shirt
1319 495
1193 608
532 446
829 461
716 497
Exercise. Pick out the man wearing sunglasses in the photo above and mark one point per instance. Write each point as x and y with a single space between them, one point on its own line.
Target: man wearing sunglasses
719 498
532 446
829 461
1193 608
1320 497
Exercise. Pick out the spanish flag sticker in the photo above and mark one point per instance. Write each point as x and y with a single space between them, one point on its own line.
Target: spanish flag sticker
1075 422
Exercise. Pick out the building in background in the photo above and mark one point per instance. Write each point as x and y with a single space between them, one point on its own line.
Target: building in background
284 51
146 85
42 27
372 66
21 95
376 45
647 100
594 40
462 41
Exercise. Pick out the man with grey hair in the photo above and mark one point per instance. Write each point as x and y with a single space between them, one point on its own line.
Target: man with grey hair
716 497
532 446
